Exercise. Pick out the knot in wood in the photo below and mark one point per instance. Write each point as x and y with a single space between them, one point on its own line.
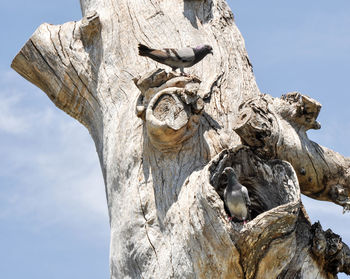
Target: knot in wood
169 121
170 107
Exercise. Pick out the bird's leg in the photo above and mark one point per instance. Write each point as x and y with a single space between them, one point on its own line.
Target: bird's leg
183 72
174 70
230 218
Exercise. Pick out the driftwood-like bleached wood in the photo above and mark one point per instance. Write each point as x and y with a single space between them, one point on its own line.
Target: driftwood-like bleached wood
164 139
276 128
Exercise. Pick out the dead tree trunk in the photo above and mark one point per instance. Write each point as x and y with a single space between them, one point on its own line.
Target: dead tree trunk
164 139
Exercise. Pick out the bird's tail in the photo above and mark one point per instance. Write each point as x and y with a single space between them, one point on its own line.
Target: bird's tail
144 50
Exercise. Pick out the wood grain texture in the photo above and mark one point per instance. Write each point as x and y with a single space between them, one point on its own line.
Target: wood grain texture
163 140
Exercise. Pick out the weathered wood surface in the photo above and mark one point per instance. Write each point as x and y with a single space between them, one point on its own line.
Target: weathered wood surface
162 140
323 174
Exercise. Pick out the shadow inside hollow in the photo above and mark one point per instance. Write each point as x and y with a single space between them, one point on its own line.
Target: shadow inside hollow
269 183
211 121
198 11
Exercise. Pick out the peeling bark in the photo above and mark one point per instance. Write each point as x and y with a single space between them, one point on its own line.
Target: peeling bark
163 140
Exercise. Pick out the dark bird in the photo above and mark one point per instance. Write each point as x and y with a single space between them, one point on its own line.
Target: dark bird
236 196
176 58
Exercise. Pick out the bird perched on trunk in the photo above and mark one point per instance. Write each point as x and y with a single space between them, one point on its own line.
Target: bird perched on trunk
236 196
176 58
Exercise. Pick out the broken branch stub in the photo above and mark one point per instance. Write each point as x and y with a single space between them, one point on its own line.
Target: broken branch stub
57 59
329 250
323 174
90 28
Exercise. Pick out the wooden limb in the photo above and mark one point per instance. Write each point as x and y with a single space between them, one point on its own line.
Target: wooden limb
276 128
56 59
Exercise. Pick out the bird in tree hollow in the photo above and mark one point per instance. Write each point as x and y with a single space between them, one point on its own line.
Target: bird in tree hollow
236 196
176 58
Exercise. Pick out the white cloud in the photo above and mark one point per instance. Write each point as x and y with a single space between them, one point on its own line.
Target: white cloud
330 216
11 121
49 170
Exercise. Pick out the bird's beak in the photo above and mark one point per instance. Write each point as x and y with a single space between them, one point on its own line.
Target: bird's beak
211 52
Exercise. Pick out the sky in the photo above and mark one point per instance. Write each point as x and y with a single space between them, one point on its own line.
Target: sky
53 214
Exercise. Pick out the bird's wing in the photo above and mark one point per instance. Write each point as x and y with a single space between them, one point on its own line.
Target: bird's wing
171 54
159 55
245 195
225 195
185 54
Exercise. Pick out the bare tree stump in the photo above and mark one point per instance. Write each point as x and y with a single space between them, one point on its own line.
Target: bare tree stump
164 139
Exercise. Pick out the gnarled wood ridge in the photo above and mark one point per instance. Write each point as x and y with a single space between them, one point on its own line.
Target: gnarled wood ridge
164 139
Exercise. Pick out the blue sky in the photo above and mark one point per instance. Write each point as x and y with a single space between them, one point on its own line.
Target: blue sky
53 213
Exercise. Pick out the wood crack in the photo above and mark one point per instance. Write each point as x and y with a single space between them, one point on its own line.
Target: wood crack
47 63
60 40
262 256
146 222
54 45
